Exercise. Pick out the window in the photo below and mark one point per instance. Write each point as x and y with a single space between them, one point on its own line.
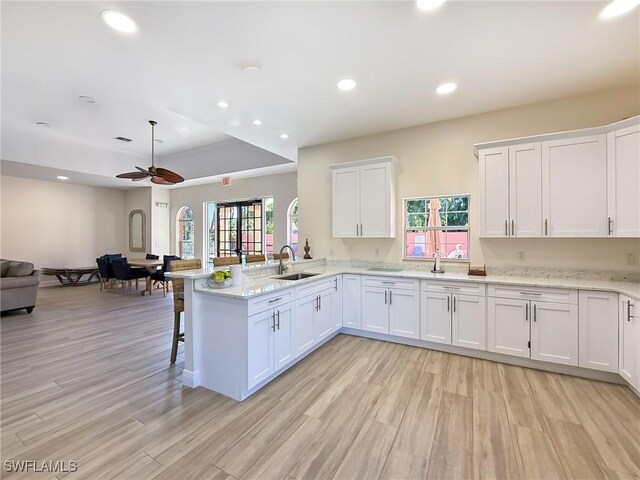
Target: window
292 225
210 233
436 224
268 224
239 228
185 228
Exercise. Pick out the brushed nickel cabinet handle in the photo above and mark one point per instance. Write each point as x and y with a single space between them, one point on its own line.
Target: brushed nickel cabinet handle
454 304
610 225
526 312
319 302
278 319
534 313
360 229
448 303
513 228
506 228
385 297
336 283
273 321
390 297
629 310
546 227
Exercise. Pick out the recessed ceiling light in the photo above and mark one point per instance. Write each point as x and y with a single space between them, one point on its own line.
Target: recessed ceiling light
618 7
284 136
84 98
446 88
119 21
250 68
257 122
429 4
62 177
347 84
157 140
43 124
223 104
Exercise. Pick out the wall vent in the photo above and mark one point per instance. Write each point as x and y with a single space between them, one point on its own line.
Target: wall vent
123 139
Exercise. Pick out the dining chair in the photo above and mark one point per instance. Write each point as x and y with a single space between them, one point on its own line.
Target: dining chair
256 258
125 273
178 300
223 261
151 256
159 277
106 277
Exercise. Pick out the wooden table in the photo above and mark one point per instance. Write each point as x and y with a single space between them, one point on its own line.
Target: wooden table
151 265
73 276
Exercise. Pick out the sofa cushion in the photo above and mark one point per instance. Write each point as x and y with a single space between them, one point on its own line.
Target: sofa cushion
4 266
18 282
19 269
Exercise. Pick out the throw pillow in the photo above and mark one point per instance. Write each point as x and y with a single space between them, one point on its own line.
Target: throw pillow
4 266
19 269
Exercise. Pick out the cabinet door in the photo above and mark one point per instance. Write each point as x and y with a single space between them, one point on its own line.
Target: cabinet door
303 333
525 190
598 330
283 351
346 202
260 347
336 303
375 196
351 304
494 192
375 309
574 187
623 176
554 332
404 313
629 342
468 321
508 326
323 323
435 317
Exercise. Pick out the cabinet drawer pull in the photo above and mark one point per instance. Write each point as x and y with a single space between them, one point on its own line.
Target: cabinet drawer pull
506 228
389 283
526 312
273 300
360 229
454 304
390 297
513 228
546 227
534 313
530 293
448 303
450 288
610 225
385 297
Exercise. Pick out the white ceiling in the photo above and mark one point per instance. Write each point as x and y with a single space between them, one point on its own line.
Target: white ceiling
187 56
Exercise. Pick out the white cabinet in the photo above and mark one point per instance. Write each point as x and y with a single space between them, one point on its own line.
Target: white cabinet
598 330
629 347
574 187
391 305
269 343
510 191
554 332
351 303
303 332
364 199
541 329
336 302
623 177
323 321
453 313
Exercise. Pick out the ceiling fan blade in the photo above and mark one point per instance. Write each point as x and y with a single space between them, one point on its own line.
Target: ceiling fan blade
158 180
168 175
148 172
140 178
133 175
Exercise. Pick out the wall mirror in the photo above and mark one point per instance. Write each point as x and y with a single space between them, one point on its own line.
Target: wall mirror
137 234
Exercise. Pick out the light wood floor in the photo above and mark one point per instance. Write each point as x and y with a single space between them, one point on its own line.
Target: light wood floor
87 378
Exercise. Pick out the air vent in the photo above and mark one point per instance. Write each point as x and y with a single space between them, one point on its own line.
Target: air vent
123 139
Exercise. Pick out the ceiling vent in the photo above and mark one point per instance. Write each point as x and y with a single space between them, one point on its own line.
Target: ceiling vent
123 139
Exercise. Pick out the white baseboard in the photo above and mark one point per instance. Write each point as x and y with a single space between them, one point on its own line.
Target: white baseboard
190 379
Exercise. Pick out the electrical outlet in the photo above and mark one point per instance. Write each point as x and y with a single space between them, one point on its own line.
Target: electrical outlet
631 258
521 256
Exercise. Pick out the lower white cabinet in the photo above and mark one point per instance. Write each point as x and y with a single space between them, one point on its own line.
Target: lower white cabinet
303 332
508 326
317 315
323 321
435 317
375 314
269 343
468 321
351 301
393 310
336 302
554 332
404 313
598 330
629 347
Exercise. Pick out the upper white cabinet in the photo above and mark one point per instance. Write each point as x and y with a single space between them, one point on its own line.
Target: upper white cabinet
623 177
574 187
364 199
582 183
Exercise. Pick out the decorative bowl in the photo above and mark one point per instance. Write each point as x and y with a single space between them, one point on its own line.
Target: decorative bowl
219 284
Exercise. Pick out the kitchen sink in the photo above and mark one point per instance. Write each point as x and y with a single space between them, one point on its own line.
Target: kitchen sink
296 276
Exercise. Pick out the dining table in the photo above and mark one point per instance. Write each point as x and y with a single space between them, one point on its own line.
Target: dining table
149 264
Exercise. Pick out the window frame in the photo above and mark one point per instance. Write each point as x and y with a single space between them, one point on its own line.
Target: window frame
179 222
294 203
405 228
207 254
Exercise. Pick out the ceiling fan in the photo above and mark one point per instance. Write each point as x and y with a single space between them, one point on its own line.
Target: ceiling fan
159 176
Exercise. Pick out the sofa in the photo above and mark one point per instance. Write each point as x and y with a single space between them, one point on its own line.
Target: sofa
18 285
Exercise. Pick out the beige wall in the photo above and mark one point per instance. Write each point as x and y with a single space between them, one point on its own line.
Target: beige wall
437 159
282 187
55 224
160 221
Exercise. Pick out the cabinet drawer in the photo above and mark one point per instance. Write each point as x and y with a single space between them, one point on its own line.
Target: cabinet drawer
265 302
316 287
539 294
461 288
391 282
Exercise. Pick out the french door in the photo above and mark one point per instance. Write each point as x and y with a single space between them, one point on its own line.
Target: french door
240 228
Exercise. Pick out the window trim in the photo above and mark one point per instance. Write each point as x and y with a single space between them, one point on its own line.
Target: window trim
179 242
293 203
430 259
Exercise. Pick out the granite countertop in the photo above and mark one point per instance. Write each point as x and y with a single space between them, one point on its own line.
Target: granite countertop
261 285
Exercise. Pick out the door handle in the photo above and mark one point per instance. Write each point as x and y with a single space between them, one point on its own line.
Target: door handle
448 302
534 312
278 321
513 228
506 227
610 225
390 297
526 312
273 321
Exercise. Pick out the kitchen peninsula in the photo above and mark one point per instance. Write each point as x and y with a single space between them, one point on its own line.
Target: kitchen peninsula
240 338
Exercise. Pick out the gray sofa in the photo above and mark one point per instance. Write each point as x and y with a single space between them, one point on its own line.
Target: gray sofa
18 285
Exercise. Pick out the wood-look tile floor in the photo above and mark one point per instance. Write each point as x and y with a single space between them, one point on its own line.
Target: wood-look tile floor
87 378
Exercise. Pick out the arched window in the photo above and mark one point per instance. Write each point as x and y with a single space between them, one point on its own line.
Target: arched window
292 225
185 230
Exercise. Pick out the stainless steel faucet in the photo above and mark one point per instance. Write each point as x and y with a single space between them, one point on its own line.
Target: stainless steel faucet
281 266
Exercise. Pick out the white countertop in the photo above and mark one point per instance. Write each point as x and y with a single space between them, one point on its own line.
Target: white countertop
253 287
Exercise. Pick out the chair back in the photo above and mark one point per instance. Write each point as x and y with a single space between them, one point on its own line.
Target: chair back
120 268
151 256
178 283
283 256
222 261
103 268
256 258
166 261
